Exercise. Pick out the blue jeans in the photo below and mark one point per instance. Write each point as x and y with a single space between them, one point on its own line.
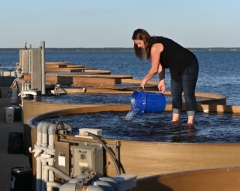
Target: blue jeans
187 86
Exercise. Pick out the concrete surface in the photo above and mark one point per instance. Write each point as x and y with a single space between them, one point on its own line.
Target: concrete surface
8 161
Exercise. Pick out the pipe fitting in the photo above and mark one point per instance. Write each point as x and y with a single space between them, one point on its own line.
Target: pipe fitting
39 132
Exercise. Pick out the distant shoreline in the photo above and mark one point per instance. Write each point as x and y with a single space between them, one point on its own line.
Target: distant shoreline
117 49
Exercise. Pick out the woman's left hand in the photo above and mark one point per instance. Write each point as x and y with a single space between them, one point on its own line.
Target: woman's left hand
162 86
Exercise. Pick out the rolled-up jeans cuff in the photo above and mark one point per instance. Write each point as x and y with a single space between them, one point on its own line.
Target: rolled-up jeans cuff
177 111
191 113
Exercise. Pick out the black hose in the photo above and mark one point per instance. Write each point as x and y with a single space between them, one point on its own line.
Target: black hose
109 152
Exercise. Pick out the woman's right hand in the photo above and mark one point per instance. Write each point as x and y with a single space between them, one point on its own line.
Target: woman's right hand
161 86
143 83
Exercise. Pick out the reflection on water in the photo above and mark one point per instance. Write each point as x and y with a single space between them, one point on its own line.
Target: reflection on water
156 127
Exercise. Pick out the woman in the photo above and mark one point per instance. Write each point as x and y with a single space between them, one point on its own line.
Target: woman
183 65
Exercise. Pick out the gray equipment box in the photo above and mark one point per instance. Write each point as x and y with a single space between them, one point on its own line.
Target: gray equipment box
87 158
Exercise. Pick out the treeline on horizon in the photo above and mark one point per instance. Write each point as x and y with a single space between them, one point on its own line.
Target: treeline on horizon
119 49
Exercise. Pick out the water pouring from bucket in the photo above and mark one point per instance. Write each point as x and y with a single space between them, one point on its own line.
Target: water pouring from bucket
146 102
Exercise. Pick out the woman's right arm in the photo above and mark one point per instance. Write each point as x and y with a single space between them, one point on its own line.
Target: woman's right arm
156 50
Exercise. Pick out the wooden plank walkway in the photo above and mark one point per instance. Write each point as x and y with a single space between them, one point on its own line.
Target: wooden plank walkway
8 161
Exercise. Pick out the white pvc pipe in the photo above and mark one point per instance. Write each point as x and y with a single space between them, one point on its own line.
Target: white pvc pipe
44 163
31 92
39 132
68 187
45 179
45 174
39 174
50 174
39 159
45 134
75 180
51 133
23 86
58 172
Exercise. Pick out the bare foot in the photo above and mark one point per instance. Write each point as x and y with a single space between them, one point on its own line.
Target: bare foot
190 124
175 122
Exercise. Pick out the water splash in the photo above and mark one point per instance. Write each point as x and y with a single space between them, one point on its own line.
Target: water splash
131 113
134 110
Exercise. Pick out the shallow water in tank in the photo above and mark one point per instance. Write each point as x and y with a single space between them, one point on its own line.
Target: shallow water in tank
99 98
156 127
89 98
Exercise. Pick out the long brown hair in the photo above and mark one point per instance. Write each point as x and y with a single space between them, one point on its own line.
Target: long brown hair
141 34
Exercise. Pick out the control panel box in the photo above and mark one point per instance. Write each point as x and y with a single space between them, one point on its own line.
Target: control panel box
87 158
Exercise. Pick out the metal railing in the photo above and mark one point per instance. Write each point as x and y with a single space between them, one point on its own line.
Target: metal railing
7 70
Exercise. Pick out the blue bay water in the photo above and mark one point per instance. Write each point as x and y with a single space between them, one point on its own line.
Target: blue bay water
219 70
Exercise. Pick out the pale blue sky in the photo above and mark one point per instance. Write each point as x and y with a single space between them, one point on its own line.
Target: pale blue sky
109 23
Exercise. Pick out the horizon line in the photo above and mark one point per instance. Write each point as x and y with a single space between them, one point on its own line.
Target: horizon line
110 47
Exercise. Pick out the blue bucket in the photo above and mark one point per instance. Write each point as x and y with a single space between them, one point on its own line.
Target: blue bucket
148 102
